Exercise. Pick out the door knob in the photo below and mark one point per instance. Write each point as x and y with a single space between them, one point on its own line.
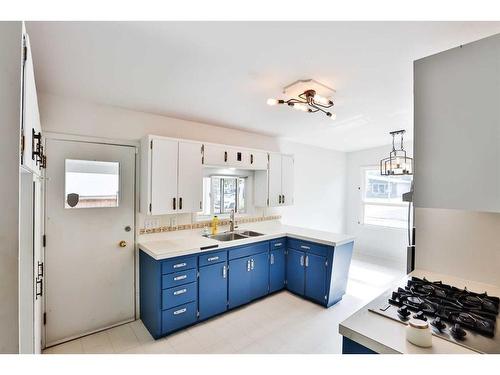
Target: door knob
122 243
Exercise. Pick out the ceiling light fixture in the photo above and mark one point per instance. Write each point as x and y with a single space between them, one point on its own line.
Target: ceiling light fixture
397 163
307 100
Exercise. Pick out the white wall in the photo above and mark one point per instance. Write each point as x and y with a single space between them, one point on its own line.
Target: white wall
387 244
319 173
10 78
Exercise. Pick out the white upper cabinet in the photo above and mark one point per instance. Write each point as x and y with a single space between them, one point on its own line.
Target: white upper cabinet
233 157
275 187
171 176
31 140
190 186
457 128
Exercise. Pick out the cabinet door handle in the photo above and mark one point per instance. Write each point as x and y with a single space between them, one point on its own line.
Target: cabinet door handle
181 311
211 259
225 156
305 247
272 258
178 265
182 277
279 199
252 264
181 291
180 203
307 260
248 265
173 203
251 158
224 272
302 260
283 199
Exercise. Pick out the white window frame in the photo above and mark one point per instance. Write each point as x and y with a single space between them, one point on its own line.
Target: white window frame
363 203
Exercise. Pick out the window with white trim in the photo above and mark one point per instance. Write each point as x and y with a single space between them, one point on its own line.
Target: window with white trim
381 198
222 194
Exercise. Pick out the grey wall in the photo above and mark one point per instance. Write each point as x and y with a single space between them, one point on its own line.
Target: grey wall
10 78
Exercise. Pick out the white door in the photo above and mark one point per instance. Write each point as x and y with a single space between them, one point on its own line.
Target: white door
287 180
274 180
89 212
190 177
164 155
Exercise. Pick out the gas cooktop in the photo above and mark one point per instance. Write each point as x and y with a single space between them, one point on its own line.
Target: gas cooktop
458 315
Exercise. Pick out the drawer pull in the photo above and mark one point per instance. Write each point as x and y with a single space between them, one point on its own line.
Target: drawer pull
224 272
248 265
307 260
181 291
182 277
272 258
252 264
181 311
278 244
180 265
213 258
305 247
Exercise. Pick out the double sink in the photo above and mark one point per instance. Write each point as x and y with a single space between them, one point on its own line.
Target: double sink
236 235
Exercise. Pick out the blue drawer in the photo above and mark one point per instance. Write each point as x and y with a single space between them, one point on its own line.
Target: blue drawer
206 259
179 278
280 243
247 250
179 295
309 247
178 317
178 264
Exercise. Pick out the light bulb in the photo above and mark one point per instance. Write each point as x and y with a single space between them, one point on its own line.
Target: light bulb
301 107
321 100
272 101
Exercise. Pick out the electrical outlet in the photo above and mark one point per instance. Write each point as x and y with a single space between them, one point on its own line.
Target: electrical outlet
152 222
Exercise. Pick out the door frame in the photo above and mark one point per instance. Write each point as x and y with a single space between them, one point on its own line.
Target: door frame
111 142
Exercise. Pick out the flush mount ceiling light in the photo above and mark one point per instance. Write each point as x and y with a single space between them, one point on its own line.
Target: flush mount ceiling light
307 95
397 163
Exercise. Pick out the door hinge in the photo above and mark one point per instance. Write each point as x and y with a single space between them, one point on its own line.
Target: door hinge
268 201
22 147
44 240
44 318
151 145
25 53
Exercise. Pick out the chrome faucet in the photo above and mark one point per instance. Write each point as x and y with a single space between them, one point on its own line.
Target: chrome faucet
231 221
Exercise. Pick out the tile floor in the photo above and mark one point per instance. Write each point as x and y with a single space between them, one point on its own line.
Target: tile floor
281 323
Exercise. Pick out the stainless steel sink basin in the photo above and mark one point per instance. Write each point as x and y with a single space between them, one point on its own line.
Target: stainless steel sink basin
228 237
250 233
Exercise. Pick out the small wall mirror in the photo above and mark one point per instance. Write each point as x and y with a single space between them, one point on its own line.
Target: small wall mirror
91 184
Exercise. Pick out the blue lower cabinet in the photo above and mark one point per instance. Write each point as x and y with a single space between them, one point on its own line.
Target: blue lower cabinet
239 282
315 284
352 347
212 290
295 271
277 266
178 317
259 275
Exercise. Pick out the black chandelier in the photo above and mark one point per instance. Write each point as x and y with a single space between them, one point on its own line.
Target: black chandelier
397 163
308 101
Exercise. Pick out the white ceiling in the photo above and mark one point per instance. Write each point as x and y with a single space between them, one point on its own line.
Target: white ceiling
223 72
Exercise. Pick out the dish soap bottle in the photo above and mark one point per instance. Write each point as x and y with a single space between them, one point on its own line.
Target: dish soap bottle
214 225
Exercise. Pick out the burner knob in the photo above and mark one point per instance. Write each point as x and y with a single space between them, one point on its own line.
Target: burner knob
420 315
404 312
458 332
438 324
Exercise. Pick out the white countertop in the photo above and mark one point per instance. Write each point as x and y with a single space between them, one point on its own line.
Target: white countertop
173 244
384 335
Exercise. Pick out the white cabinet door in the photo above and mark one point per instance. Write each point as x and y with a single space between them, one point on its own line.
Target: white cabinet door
164 155
287 180
190 179
31 117
215 155
258 160
274 180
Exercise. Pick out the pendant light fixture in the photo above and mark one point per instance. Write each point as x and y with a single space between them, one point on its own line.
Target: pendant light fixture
307 95
397 163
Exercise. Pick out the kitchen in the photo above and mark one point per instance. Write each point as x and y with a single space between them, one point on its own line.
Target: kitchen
222 203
